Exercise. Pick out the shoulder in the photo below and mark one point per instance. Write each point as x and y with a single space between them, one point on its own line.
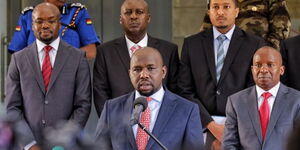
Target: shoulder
292 40
181 102
119 101
77 5
27 9
200 35
107 46
242 95
163 42
75 51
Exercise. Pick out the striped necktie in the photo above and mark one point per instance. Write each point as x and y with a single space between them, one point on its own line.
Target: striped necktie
46 68
220 55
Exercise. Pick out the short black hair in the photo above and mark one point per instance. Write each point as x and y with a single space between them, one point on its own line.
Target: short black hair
236 3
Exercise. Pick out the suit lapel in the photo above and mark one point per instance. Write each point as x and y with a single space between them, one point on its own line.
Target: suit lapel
234 47
278 107
122 50
253 112
127 115
210 54
153 43
166 110
61 58
33 59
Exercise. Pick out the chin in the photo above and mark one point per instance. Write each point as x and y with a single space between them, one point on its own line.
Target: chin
146 93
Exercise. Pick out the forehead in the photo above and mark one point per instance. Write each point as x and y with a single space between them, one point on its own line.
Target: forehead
146 59
220 2
44 12
133 4
266 57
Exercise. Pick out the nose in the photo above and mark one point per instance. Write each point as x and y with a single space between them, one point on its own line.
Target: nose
264 68
144 74
45 24
220 11
133 15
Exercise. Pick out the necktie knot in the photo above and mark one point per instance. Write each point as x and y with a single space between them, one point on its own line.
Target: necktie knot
221 38
47 48
148 99
266 95
135 47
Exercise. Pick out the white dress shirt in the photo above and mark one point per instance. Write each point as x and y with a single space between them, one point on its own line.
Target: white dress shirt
52 53
226 42
271 99
141 43
154 106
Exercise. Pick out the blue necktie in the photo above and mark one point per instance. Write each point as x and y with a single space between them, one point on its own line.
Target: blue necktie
220 55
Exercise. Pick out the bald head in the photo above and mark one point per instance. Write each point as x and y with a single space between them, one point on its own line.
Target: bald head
147 71
267 67
45 22
46 7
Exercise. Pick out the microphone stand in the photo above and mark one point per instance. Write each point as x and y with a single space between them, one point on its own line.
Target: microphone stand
152 136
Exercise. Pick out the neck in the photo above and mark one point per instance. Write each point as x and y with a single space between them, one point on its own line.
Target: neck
135 38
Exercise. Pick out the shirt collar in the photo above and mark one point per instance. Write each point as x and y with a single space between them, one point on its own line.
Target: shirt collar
142 43
41 45
228 34
157 96
273 90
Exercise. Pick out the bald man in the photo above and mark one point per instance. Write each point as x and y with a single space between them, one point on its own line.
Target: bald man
262 116
174 120
112 61
48 81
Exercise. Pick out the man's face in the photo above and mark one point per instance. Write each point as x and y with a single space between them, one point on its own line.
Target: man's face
134 17
222 14
267 68
146 71
57 3
45 24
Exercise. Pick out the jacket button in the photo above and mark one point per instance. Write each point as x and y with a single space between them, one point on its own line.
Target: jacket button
218 92
46 102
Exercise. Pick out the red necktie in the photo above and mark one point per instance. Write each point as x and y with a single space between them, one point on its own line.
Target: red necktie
46 68
134 48
142 136
264 112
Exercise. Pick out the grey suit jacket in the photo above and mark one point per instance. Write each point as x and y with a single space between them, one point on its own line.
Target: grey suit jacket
68 96
111 77
242 127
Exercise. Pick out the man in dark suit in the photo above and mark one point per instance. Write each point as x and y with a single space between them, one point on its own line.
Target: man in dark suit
172 119
262 116
40 95
112 61
215 64
290 52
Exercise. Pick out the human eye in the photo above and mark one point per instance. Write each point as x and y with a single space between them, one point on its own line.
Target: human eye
38 21
127 12
226 6
137 69
258 65
138 11
271 65
215 7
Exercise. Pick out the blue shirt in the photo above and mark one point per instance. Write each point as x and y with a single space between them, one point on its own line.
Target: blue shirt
83 33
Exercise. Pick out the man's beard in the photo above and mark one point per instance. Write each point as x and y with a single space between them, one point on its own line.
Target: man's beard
222 27
146 94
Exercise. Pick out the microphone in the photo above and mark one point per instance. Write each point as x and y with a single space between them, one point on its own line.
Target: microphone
140 104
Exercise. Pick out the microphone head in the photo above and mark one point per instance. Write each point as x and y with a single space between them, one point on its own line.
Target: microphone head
141 101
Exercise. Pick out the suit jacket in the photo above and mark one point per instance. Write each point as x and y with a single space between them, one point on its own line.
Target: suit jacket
290 52
177 126
111 77
68 96
197 74
242 127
